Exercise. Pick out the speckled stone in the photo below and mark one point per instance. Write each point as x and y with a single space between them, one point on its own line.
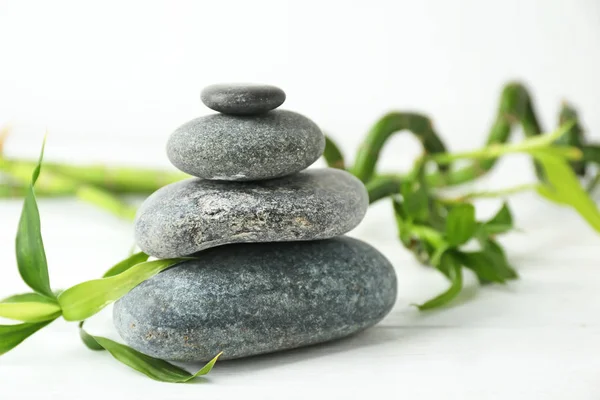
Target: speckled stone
242 98
226 147
248 299
195 214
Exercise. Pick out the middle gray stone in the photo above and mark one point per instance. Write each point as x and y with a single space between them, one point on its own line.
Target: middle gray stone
195 214
246 148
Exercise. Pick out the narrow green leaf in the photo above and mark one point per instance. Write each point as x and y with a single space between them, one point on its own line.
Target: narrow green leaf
562 152
454 272
436 259
87 298
401 223
591 153
399 210
502 222
482 265
415 193
549 194
575 137
495 252
88 339
12 335
29 307
531 145
564 188
31 257
127 263
428 235
460 224
154 368
489 264
415 200
332 154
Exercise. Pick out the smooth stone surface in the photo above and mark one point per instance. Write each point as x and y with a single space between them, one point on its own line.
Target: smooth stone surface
248 299
242 98
195 214
225 147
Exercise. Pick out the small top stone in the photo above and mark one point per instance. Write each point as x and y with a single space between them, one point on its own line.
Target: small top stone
242 98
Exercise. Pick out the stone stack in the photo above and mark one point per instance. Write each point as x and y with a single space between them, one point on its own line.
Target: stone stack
271 270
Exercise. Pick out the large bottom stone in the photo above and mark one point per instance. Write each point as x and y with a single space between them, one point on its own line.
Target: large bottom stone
248 299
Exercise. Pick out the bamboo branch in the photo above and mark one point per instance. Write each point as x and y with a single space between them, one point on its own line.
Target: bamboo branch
515 108
51 183
116 179
368 153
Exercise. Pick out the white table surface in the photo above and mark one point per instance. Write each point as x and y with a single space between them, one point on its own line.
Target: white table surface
535 338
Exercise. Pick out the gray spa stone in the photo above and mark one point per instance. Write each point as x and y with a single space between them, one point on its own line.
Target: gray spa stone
242 98
226 147
195 214
248 299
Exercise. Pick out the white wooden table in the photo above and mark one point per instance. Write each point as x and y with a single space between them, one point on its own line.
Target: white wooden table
536 338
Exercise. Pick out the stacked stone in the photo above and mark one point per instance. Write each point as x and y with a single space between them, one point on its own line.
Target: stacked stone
271 269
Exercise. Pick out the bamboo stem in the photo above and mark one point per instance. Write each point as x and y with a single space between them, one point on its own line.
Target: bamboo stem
574 136
386 185
12 191
106 201
530 145
593 183
116 179
50 182
368 153
515 108
383 186
494 193
591 153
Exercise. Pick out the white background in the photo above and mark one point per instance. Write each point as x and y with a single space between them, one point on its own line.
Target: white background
127 73
110 80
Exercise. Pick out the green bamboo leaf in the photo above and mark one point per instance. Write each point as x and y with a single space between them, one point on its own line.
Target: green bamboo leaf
154 368
29 307
495 253
483 267
489 264
127 263
591 153
415 201
106 200
439 252
415 194
501 222
460 224
593 183
569 153
573 138
12 335
563 187
332 154
399 213
86 299
88 339
401 223
531 145
549 194
31 257
454 272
